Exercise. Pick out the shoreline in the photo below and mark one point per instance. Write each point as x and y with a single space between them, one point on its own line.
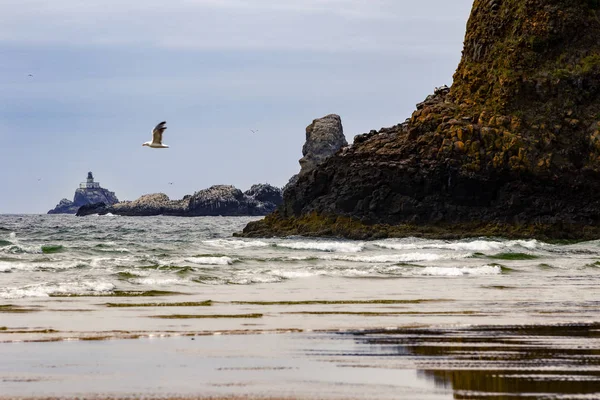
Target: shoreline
424 363
343 227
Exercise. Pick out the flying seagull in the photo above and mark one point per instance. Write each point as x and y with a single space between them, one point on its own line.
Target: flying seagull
157 134
254 130
30 75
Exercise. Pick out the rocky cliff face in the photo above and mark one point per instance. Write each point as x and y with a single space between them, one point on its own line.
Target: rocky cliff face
217 200
324 137
83 197
511 149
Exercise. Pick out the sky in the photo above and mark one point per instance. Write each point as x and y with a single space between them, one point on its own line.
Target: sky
105 72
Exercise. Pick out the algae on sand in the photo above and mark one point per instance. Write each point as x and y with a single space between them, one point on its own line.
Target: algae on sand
202 316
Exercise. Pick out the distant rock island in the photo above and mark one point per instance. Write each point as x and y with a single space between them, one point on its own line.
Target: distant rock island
511 149
89 192
224 200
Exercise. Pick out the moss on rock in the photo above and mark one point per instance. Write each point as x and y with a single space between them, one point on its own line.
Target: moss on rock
511 149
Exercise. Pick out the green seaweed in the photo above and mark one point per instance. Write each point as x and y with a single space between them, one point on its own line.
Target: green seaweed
499 287
513 256
10 308
545 266
593 265
121 293
126 275
200 316
477 255
334 302
49 330
52 248
384 313
206 303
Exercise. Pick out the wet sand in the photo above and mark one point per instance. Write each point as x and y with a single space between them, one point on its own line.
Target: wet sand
542 361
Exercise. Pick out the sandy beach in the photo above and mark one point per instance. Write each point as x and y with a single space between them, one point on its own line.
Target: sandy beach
467 363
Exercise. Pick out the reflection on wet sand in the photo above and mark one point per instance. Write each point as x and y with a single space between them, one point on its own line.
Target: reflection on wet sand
553 361
559 361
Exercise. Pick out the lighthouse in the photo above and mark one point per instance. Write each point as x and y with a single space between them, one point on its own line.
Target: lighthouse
89 184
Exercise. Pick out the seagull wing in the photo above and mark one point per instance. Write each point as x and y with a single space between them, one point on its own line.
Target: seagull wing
157 132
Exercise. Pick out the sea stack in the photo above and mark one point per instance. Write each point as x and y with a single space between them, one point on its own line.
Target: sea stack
511 149
89 192
218 200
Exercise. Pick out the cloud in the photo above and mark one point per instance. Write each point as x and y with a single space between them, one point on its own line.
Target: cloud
314 25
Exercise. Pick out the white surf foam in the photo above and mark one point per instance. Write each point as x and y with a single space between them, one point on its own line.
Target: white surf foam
48 288
457 271
113 250
156 281
235 244
6 266
18 248
341 247
254 279
398 258
297 274
211 260
480 246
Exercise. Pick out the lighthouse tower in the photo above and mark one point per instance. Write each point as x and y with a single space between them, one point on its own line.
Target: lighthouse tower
89 184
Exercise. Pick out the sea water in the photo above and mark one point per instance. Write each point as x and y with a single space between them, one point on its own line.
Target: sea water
472 317
51 264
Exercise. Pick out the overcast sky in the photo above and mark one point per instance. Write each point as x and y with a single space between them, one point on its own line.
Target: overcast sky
106 71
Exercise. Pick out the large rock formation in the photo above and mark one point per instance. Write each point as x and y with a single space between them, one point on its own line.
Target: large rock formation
89 192
324 137
217 200
511 149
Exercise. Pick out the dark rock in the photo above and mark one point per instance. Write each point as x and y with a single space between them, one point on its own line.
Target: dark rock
89 192
65 206
91 209
324 137
217 200
265 193
495 154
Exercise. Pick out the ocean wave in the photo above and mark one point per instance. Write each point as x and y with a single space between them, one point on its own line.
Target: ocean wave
52 288
52 248
109 248
6 266
206 260
17 248
341 247
254 280
398 258
235 244
154 281
457 271
480 246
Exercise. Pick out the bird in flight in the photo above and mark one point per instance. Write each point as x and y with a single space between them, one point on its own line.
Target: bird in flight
31 76
254 130
170 183
157 134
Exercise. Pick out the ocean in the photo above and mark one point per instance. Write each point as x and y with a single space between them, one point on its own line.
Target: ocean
110 278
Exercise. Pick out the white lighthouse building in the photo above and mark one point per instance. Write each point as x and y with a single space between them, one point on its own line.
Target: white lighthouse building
89 184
